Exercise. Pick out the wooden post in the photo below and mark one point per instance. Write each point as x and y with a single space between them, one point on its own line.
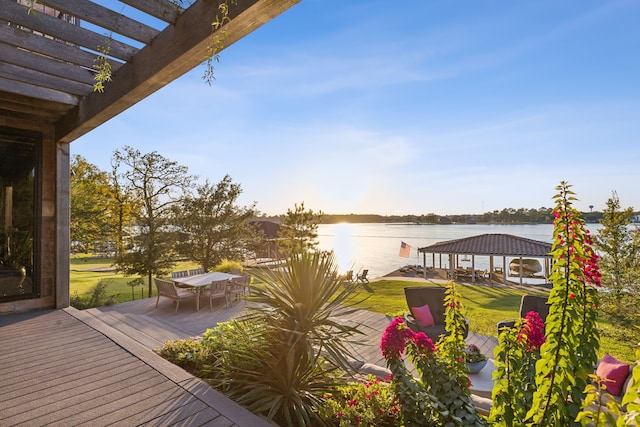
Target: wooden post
8 217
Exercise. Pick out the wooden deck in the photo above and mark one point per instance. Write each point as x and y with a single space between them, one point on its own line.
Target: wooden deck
64 367
98 367
151 326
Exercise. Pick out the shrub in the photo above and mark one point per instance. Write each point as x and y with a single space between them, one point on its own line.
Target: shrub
227 265
515 360
369 402
440 396
236 349
97 298
279 360
551 390
190 354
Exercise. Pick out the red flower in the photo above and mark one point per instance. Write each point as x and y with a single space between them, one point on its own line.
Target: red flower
423 342
591 269
358 419
572 295
532 332
394 338
352 403
339 415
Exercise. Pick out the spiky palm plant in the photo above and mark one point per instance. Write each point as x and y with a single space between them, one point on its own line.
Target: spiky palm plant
299 308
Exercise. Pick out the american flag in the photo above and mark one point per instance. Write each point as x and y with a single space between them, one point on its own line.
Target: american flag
405 250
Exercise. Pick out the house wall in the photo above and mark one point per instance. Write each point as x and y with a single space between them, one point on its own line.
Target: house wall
52 229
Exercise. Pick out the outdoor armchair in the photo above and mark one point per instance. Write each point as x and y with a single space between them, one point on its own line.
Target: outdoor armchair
217 289
237 286
426 311
346 278
537 303
362 277
169 290
176 274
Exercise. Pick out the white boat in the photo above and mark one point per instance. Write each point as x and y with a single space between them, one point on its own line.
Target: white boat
529 266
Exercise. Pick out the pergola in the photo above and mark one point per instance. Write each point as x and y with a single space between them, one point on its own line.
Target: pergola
48 53
490 245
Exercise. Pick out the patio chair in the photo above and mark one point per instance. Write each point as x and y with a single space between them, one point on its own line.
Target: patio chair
176 274
169 290
346 278
236 287
362 277
217 289
537 303
426 311
242 282
195 271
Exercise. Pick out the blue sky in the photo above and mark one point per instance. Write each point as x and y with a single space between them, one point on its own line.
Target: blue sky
410 107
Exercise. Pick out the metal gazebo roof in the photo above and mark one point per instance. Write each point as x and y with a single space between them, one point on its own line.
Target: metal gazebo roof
492 244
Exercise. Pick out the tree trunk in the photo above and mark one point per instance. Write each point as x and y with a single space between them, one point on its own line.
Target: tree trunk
150 287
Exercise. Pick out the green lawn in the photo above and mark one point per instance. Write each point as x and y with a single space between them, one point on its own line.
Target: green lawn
86 274
485 306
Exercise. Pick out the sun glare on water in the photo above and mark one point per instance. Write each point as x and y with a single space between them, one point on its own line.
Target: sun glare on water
343 246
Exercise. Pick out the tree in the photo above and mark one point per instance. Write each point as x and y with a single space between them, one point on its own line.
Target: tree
157 184
618 245
123 205
299 230
212 227
90 194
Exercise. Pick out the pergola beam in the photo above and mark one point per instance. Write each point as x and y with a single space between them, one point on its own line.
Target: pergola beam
175 51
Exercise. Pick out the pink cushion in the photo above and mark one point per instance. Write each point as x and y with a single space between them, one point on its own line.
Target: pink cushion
613 370
423 315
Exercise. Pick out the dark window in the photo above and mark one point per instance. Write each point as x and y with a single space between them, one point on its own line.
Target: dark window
18 189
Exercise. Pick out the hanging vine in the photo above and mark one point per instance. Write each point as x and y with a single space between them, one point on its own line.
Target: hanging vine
102 66
218 44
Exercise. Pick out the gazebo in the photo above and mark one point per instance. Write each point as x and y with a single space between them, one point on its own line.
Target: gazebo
490 245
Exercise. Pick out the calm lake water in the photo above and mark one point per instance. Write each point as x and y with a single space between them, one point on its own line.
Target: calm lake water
376 246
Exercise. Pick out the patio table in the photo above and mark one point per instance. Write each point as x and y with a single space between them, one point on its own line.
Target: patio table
199 281
482 382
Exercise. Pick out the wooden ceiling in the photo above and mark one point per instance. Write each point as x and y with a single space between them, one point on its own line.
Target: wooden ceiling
47 61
